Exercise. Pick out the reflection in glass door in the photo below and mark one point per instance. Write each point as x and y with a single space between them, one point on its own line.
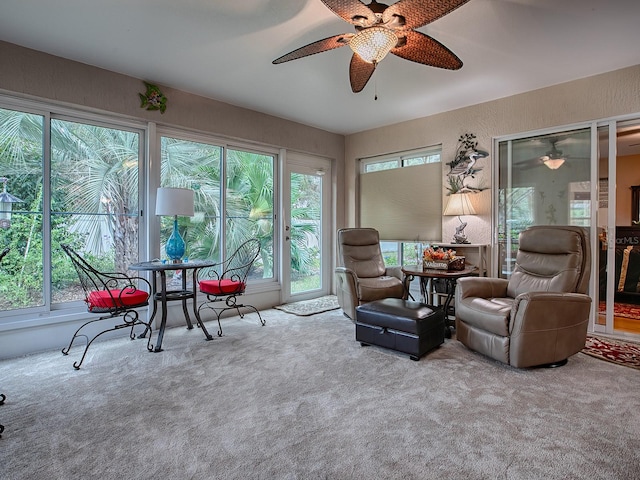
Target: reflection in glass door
543 180
306 228
618 256
549 179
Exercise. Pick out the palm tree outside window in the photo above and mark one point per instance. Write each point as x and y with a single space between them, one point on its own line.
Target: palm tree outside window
89 191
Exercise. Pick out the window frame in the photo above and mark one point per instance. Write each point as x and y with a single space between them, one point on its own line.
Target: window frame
49 310
263 284
401 160
51 314
108 123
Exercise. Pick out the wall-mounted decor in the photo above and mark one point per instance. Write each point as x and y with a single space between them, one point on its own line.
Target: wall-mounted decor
153 98
464 166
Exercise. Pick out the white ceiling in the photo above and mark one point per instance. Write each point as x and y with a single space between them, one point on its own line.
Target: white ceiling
223 49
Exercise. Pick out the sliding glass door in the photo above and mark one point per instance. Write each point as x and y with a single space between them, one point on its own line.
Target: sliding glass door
582 176
618 253
543 179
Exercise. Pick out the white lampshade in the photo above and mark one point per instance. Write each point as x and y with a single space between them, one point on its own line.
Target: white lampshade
373 44
553 163
459 204
175 201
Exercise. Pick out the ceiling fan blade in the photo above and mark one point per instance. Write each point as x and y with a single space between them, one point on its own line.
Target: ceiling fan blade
320 46
529 164
352 11
359 73
423 49
417 13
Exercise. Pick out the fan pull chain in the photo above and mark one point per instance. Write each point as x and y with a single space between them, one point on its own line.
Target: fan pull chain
375 85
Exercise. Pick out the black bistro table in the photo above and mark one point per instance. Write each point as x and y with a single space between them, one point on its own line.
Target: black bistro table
164 295
426 275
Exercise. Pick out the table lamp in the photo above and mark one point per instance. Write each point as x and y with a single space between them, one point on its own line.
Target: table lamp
175 201
459 204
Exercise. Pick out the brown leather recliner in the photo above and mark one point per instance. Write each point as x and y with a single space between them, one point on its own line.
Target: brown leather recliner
540 315
361 276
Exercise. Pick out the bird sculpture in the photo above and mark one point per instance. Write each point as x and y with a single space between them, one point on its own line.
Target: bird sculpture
465 166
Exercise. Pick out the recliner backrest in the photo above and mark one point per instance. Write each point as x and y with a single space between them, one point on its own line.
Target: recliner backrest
359 250
551 259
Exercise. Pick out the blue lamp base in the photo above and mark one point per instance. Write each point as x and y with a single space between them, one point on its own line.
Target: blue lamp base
175 244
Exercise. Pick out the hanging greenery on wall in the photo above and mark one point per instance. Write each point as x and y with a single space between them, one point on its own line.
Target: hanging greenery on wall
464 166
153 98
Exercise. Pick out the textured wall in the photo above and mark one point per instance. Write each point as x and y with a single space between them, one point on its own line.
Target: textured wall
598 97
36 74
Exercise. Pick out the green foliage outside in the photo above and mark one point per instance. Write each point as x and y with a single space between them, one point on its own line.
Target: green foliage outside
94 204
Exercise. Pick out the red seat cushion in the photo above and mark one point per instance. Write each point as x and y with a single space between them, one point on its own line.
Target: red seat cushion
101 300
221 287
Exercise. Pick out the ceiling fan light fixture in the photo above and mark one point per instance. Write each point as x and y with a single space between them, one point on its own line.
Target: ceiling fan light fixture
372 44
553 163
380 29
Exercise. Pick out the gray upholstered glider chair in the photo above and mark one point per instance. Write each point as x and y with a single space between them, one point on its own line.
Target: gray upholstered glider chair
538 317
361 276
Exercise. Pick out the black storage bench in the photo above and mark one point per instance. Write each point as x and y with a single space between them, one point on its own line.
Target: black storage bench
402 325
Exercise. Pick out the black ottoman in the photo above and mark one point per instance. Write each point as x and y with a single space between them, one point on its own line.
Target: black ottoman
401 325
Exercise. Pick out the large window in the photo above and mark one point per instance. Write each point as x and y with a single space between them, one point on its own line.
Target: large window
76 178
86 180
227 212
21 168
94 199
249 204
408 214
408 159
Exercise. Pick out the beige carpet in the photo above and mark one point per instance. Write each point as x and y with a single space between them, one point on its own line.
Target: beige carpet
300 399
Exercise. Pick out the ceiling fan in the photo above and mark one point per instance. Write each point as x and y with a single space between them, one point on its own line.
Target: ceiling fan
553 158
381 29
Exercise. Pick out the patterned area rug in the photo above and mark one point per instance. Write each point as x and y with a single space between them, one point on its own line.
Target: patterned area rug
615 351
626 310
311 307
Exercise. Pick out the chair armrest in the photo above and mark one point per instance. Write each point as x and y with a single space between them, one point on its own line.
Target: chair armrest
347 291
119 280
142 280
481 287
394 272
209 273
349 277
541 311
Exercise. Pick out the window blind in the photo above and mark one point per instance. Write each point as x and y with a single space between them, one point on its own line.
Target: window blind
403 204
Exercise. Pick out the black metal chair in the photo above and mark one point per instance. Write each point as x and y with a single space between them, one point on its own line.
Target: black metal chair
227 281
3 397
109 294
